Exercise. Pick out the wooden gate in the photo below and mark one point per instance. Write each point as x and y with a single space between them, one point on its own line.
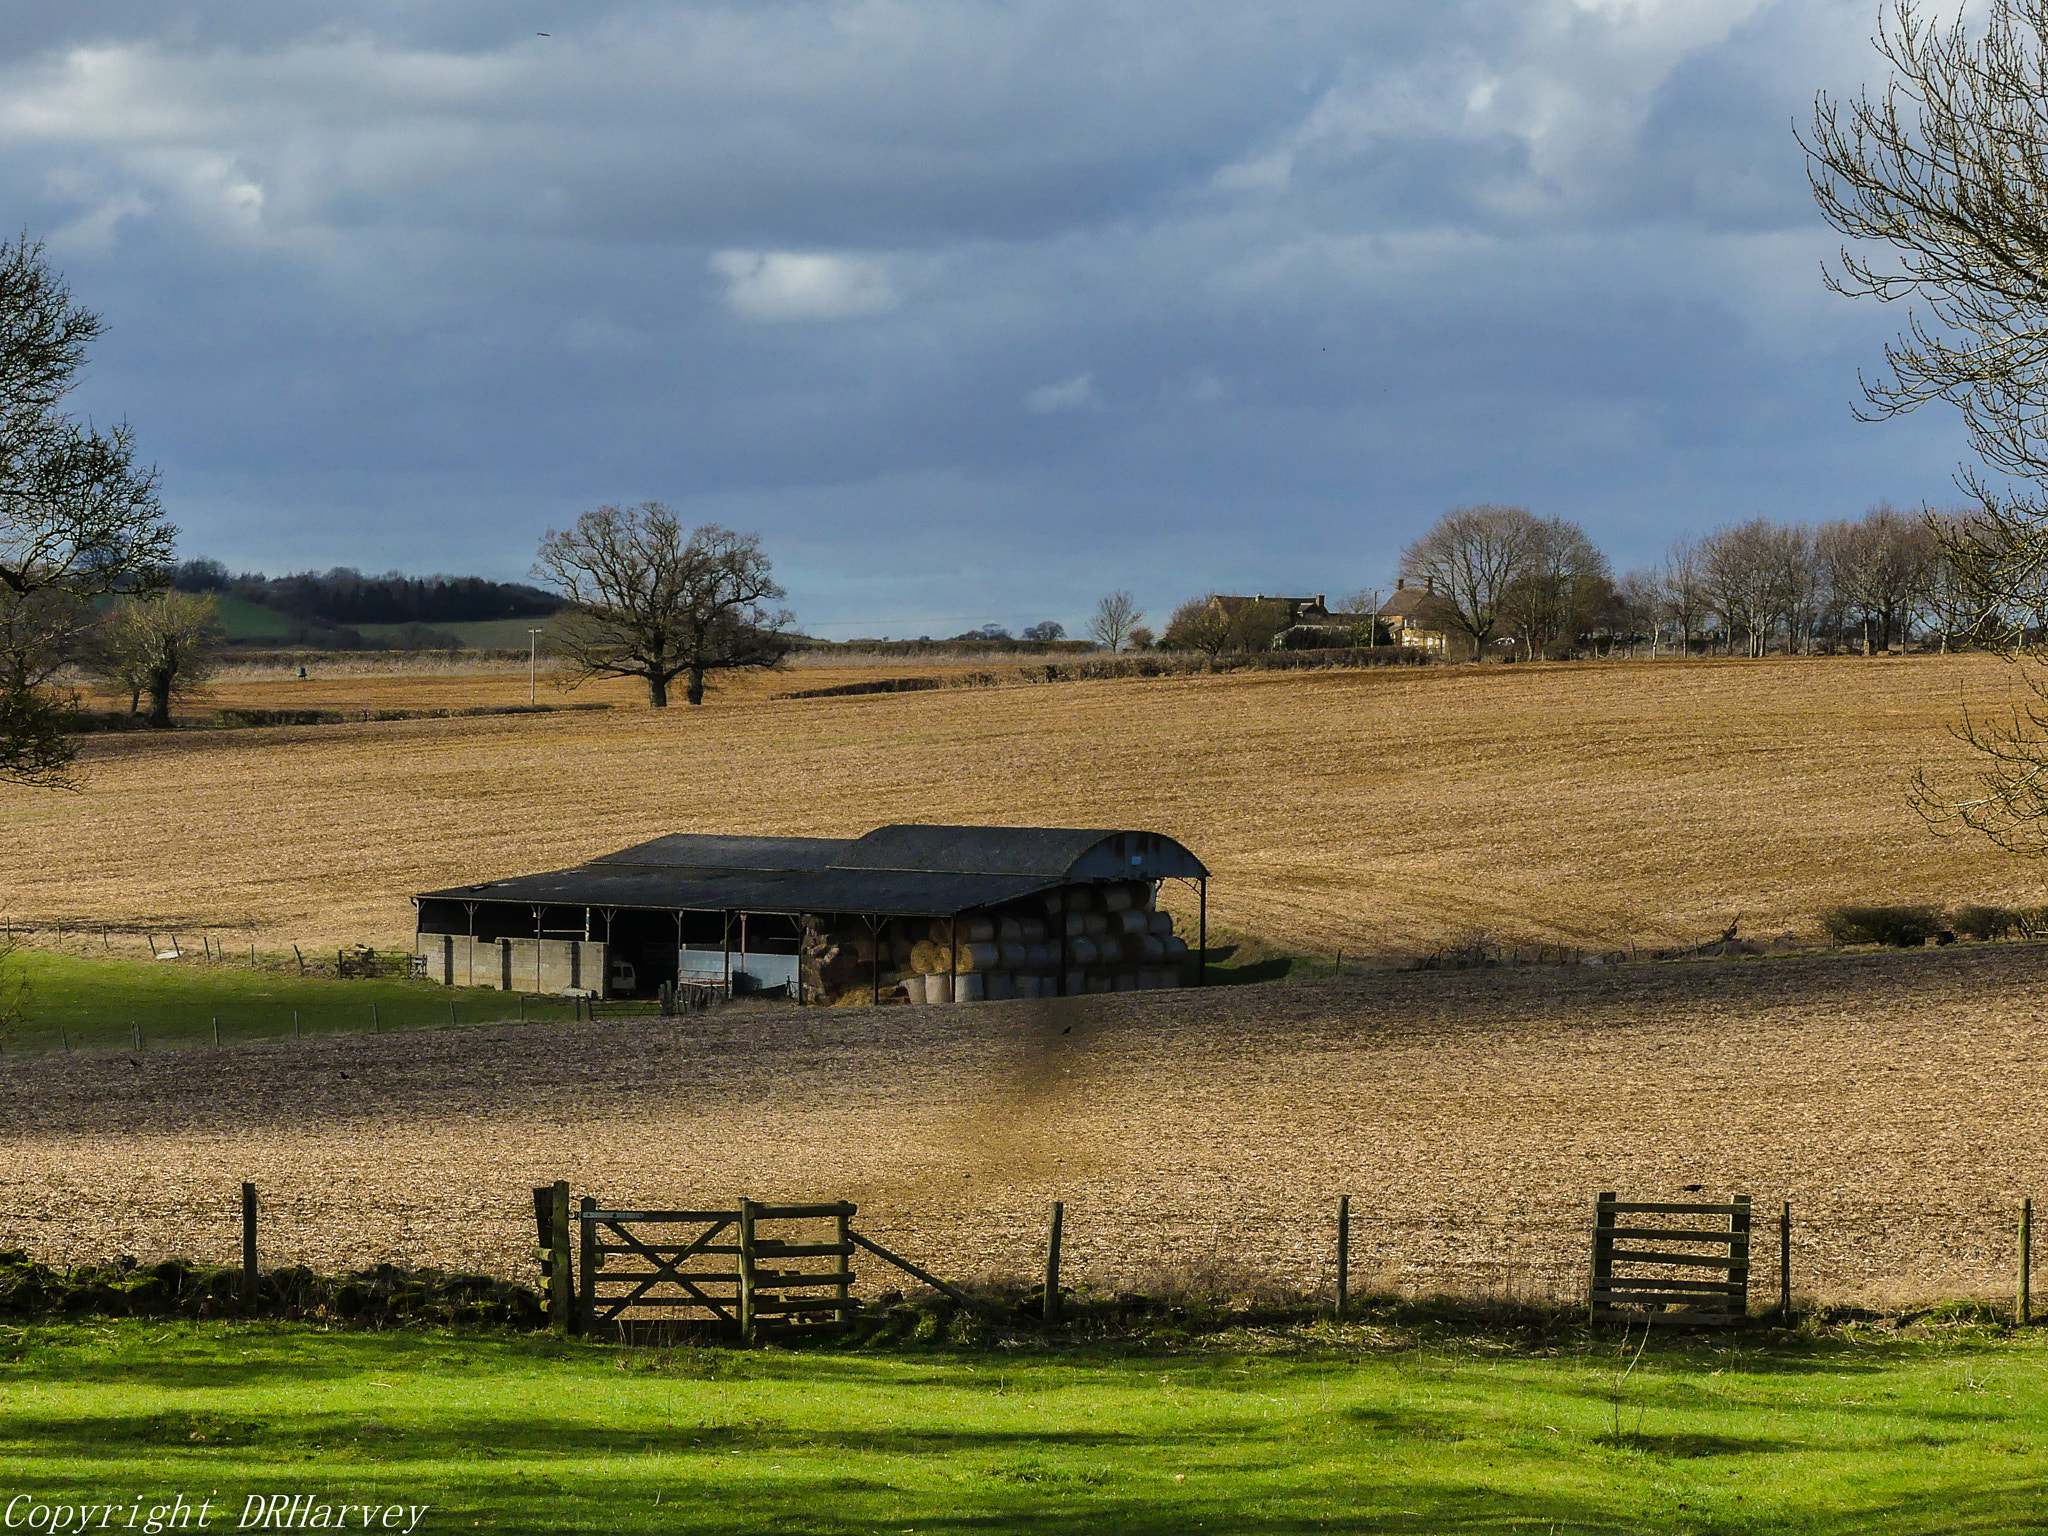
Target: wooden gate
1656 1286
731 1267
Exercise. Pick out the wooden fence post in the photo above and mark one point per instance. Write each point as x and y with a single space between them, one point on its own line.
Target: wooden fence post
1052 1261
746 1269
1785 1262
135 1033
1343 1256
2024 1313
216 1029
248 1244
845 1290
376 1024
586 1262
1603 1248
560 1270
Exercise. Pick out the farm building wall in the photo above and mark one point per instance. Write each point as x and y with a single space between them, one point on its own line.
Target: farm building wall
514 965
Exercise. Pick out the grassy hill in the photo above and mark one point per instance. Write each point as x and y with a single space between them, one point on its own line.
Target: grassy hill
481 635
244 620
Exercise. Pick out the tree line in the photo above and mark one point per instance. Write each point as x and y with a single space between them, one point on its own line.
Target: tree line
345 596
1503 579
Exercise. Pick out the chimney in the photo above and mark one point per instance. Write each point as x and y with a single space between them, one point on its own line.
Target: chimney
1429 583
1321 601
1400 582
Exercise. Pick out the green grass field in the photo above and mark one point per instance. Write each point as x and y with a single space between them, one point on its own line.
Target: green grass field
1308 1430
90 1003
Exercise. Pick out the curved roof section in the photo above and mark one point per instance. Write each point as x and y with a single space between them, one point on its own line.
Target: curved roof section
896 869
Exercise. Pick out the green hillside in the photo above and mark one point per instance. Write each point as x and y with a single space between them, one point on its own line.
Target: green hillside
244 620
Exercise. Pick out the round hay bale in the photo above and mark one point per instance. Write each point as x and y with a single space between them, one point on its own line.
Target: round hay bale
967 989
1154 950
938 989
1080 899
924 957
1095 925
1016 955
913 988
1116 898
1133 922
1076 984
1083 951
1176 946
1032 930
1002 986
1097 984
1127 981
1160 923
979 957
1028 986
1041 957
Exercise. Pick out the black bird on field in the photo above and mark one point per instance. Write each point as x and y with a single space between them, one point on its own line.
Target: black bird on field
1693 1189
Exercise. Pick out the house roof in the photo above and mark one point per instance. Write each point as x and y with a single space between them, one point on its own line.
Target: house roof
895 870
1417 603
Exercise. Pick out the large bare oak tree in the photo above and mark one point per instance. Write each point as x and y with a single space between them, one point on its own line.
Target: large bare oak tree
652 599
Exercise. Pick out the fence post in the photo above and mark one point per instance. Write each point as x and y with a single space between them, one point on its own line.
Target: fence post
845 1296
248 1244
1603 1250
586 1259
376 1024
135 1033
746 1269
560 1270
216 1029
1785 1262
2025 1312
1343 1256
1052 1260
295 1023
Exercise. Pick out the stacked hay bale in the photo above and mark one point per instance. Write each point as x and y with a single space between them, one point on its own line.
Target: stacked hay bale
1085 939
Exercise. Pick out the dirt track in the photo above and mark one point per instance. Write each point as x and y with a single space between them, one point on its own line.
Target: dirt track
1896 1099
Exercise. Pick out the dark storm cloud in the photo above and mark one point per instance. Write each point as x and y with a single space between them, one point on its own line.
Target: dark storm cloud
970 309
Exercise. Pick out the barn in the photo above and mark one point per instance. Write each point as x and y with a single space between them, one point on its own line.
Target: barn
908 913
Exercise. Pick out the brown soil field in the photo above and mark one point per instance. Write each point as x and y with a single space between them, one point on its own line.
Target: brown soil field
1380 812
1896 1099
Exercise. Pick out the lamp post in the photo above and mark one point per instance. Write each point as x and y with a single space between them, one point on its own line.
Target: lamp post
532 661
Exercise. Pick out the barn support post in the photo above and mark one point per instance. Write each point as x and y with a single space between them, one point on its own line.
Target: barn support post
469 978
1202 936
954 929
726 940
875 932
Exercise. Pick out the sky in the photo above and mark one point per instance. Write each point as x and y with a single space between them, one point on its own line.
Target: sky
972 311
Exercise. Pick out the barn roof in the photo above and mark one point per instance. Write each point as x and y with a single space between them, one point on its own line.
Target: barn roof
894 870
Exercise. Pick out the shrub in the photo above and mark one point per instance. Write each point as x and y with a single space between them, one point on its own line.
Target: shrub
1903 927
1985 923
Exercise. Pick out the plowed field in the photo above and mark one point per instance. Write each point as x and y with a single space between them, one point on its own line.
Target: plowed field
1900 1101
1382 813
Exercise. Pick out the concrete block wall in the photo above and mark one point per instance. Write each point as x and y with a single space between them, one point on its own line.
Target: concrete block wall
515 965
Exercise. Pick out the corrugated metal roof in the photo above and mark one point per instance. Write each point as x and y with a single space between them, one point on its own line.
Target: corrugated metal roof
902 870
890 893
702 850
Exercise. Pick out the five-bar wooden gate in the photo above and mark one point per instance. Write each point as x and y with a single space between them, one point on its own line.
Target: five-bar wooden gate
730 1265
1658 1284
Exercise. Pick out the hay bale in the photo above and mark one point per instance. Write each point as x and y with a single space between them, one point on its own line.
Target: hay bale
1095 925
1083 951
1099 984
979 957
924 958
1116 898
1127 981
1080 899
1041 957
1029 986
1002 986
1152 950
1161 923
967 989
1016 955
1176 947
1133 922
938 989
913 988
1076 984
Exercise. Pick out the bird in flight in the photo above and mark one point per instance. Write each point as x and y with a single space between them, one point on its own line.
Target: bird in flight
543 34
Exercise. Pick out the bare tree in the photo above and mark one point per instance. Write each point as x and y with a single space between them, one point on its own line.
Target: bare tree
653 600
1877 569
1115 617
1639 608
1683 578
160 647
1199 624
1471 560
78 516
1753 577
1563 584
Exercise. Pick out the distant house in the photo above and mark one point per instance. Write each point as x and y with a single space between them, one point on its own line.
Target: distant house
1418 617
1300 610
